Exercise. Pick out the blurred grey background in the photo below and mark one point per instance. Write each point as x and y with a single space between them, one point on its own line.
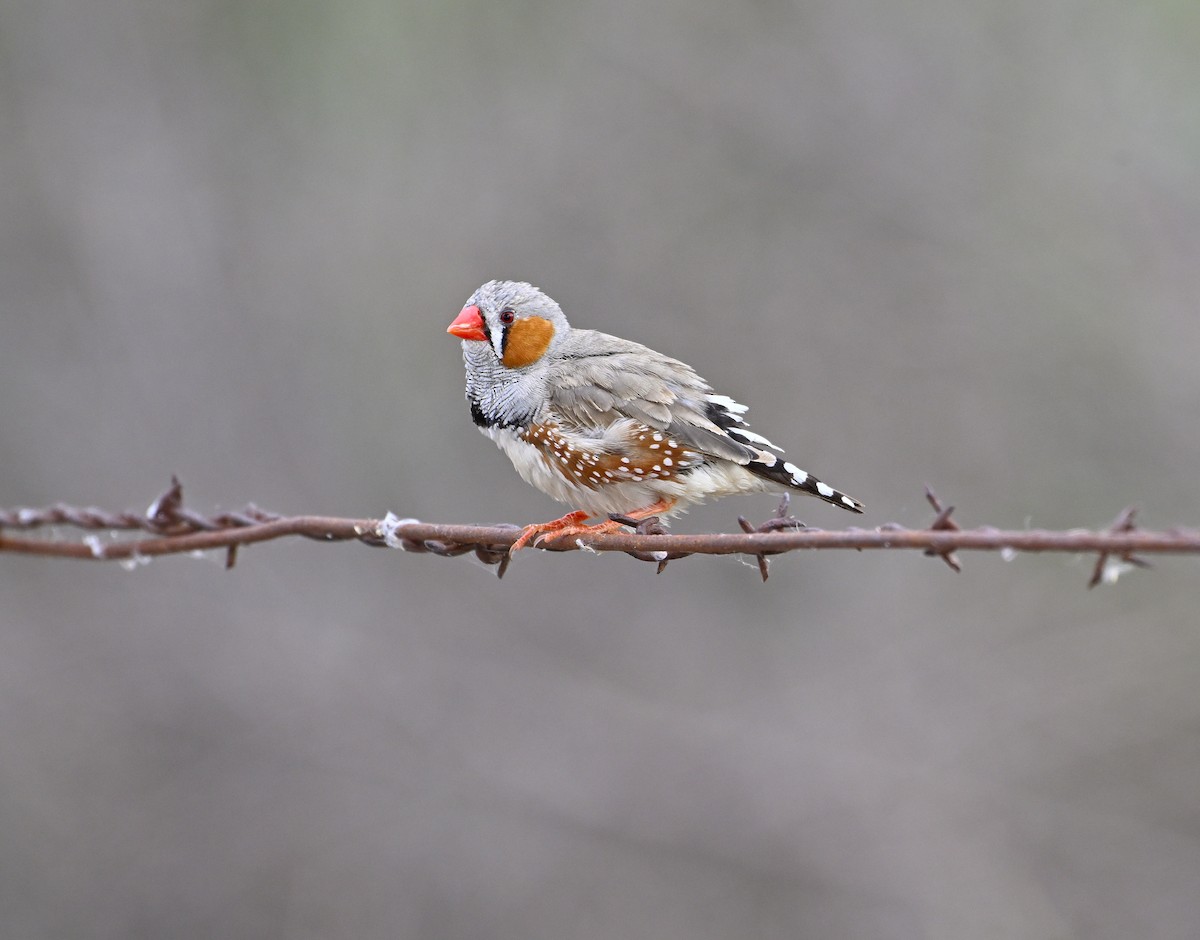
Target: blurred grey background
931 242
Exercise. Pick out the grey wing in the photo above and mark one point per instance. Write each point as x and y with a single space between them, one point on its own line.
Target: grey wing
600 379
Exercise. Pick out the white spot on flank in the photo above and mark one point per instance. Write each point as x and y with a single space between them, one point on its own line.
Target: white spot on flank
824 489
658 437
672 444
624 460
638 470
657 468
667 461
655 446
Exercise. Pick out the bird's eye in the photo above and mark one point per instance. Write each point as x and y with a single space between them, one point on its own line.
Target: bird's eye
507 316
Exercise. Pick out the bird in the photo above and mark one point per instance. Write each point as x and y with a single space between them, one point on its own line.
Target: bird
606 424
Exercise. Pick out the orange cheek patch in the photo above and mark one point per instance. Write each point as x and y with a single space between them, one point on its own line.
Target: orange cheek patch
527 341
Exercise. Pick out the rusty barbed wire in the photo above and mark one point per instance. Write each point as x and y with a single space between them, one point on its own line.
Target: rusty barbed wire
173 529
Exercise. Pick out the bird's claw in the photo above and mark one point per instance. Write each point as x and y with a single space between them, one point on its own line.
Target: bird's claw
538 531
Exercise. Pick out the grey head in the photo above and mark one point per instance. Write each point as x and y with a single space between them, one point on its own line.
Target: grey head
517 313
510 331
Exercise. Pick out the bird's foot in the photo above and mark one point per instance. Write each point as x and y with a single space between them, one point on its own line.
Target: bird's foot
570 524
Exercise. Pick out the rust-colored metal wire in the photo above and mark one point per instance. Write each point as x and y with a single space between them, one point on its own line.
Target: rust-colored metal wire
172 529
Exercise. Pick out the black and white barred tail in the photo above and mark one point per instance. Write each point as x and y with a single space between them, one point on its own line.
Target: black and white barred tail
788 474
727 415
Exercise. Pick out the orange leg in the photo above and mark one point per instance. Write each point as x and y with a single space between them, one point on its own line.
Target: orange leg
572 524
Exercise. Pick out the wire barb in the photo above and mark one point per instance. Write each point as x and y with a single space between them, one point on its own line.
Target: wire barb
1104 570
942 523
651 525
780 522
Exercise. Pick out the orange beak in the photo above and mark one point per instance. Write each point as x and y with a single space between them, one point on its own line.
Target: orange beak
468 324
